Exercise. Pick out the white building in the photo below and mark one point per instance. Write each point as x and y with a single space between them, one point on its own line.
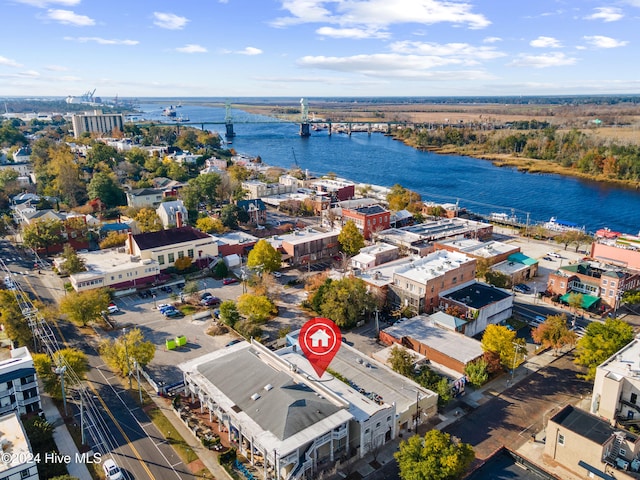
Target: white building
18 384
616 389
97 122
172 214
16 463
144 197
114 269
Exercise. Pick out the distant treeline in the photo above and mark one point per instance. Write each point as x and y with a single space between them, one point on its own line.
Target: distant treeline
28 105
595 157
509 100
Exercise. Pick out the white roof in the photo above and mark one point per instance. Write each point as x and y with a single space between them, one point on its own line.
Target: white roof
432 266
15 447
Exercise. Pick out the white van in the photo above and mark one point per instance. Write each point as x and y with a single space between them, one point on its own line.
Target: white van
112 471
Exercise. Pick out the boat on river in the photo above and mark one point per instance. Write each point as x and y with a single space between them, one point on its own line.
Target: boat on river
556 225
170 111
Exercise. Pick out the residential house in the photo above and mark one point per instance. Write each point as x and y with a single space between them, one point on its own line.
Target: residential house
479 305
18 461
256 209
370 219
23 156
596 282
184 158
589 447
97 122
114 269
172 214
166 246
218 163
442 346
259 189
144 197
19 390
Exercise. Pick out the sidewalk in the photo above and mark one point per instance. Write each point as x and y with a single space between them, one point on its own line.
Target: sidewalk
207 457
63 438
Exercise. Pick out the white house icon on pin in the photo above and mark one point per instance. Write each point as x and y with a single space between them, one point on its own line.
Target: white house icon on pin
320 338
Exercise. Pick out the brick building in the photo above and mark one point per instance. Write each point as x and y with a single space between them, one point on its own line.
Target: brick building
369 219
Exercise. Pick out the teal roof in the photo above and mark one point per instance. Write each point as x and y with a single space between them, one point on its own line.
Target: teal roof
587 300
448 321
520 257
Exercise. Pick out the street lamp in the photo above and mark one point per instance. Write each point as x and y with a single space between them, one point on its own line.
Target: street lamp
60 371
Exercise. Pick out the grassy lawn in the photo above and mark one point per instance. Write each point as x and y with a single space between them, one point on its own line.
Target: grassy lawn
187 309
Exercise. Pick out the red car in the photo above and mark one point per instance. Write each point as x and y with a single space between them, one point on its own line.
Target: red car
229 281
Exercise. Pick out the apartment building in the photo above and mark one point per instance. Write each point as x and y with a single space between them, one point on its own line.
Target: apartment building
96 122
18 384
17 457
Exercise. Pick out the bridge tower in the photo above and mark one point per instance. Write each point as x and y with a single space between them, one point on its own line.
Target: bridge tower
228 120
304 119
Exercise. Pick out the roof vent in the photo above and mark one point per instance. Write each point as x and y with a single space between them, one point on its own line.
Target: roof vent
268 387
255 396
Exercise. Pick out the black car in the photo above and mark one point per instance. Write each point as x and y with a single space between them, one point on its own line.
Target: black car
524 287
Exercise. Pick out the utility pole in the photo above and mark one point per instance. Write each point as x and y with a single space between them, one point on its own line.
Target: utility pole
126 354
135 364
60 371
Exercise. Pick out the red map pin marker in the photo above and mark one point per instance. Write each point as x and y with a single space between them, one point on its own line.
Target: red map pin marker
320 339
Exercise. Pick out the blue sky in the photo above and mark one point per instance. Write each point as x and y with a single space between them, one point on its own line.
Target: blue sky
231 48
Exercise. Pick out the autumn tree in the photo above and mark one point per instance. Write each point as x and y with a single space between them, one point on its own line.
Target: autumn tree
210 225
121 352
66 182
554 333
503 342
400 198
85 307
113 240
436 456
600 341
401 361
256 308
74 359
264 257
148 220
350 239
183 263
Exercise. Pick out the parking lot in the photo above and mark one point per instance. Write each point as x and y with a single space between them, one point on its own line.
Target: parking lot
144 314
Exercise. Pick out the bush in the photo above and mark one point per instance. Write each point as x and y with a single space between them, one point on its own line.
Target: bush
227 457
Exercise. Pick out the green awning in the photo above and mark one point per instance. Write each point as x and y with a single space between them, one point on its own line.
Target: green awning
588 301
520 257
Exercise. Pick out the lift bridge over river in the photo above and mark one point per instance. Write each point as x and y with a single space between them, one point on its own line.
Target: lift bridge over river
306 124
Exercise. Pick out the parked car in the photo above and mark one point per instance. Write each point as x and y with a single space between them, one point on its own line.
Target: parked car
519 289
216 313
173 313
554 255
166 308
205 295
229 281
113 308
233 342
524 287
548 259
277 274
111 470
210 301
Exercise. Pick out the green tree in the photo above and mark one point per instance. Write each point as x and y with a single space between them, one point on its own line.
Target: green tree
503 342
497 279
600 341
101 153
350 239
346 301
148 220
256 308
264 257
554 333
84 307
42 234
229 314
478 372
72 263
220 270
436 456
74 359
401 361
231 214
12 319
120 353
105 186
631 296
177 172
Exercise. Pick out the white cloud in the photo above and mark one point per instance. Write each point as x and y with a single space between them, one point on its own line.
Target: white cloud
169 21
354 33
600 41
461 52
70 18
45 3
249 51
492 40
29 74
192 48
377 14
8 62
56 68
545 42
606 14
555 59
102 41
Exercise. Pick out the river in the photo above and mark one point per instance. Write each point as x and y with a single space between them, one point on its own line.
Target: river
477 184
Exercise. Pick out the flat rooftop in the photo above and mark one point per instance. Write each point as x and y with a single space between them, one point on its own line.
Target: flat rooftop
478 295
586 425
367 374
445 228
481 249
14 438
454 345
432 266
625 362
306 235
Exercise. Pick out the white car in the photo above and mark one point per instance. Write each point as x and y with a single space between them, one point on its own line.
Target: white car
554 255
113 309
9 283
111 470
277 274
